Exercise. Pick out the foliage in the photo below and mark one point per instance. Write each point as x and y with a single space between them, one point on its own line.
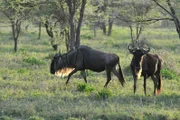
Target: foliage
104 94
85 88
5 118
169 74
33 61
35 118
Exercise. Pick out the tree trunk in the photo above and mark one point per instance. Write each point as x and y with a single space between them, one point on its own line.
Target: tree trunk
177 24
176 20
104 28
67 39
110 26
49 32
80 23
15 45
72 9
72 32
39 37
16 29
94 29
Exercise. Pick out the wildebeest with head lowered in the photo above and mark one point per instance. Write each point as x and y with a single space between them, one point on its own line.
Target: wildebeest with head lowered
145 64
84 57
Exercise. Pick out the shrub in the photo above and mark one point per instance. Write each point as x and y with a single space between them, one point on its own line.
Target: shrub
22 70
166 73
4 118
104 94
35 118
84 88
87 36
33 61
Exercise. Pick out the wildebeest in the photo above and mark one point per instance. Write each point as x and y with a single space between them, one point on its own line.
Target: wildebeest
145 64
84 57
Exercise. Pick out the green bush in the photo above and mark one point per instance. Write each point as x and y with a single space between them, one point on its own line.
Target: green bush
4 118
104 94
22 70
84 88
33 61
87 36
166 73
35 118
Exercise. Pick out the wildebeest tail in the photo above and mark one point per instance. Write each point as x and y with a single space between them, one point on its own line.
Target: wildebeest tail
159 87
121 75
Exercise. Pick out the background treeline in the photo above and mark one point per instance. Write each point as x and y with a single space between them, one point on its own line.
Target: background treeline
63 18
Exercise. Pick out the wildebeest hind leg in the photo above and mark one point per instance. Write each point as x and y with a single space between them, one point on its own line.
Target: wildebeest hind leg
155 83
84 75
108 73
74 71
115 72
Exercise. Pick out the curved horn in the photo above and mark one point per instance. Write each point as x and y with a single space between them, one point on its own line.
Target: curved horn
131 48
145 49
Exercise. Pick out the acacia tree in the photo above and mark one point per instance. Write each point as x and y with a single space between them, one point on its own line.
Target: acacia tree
133 14
16 12
100 16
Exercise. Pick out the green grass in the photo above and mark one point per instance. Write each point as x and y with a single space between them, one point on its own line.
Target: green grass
29 92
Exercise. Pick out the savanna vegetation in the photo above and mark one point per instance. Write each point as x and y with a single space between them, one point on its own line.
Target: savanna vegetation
29 92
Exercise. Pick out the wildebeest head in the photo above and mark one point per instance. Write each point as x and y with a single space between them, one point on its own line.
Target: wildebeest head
59 67
55 63
138 53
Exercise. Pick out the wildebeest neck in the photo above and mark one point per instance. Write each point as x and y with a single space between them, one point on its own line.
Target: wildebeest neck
69 59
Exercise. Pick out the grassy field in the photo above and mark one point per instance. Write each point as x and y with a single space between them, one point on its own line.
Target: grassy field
29 92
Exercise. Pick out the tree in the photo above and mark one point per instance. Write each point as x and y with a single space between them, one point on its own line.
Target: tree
75 32
15 11
171 11
133 14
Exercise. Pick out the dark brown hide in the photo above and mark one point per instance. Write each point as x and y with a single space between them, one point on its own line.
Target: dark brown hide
83 58
147 65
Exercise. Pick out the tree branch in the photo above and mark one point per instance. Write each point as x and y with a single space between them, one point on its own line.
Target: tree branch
162 7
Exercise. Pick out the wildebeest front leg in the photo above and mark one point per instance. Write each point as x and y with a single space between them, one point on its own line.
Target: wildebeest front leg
108 73
135 80
74 71
145 84
84 75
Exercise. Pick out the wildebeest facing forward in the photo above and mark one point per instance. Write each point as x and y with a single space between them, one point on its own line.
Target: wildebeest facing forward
145 64
83 58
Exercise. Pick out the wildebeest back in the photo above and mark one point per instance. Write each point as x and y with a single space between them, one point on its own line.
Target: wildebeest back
93 59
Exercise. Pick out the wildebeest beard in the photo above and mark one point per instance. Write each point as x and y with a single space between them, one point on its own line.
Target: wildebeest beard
62 71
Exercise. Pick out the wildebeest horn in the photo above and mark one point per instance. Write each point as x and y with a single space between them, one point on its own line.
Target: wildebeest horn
131 48
145 48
